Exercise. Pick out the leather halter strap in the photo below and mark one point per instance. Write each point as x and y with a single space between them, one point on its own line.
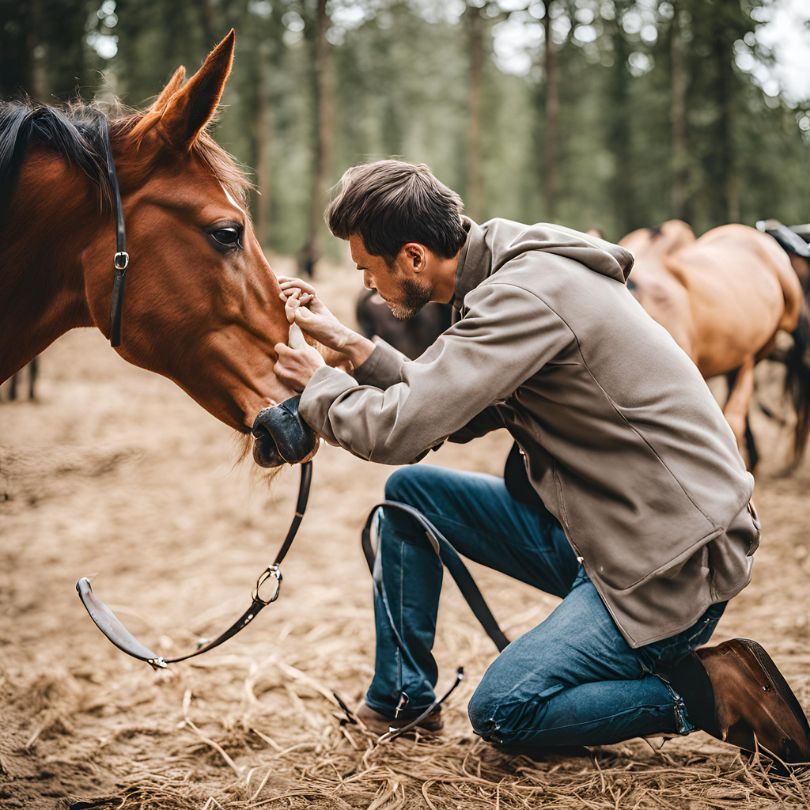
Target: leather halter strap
112 627
121 258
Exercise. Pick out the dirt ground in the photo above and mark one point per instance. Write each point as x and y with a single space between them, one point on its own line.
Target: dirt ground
116 474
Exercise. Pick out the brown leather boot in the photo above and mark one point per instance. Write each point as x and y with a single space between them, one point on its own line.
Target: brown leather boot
380 724
735 692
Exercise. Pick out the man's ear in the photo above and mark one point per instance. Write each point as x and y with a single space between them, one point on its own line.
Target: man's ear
416 256
190 109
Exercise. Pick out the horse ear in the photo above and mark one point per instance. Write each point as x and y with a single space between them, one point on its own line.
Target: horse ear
191 108
169 90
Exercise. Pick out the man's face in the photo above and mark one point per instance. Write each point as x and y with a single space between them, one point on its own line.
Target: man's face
404 286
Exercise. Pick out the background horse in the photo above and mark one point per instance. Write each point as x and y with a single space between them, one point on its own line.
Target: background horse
411 337
16 380
202 305
723 298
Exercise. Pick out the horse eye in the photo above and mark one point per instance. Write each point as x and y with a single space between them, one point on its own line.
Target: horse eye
230 236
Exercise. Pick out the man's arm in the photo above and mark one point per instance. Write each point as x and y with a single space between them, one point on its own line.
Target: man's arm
485 422
507 335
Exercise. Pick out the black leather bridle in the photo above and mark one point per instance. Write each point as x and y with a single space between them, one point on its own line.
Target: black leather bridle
121 258
100 613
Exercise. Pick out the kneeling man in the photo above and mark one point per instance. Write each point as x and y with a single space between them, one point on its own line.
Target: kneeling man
648 529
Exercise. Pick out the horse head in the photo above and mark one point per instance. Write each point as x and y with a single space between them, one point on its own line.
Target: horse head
660 241
202 304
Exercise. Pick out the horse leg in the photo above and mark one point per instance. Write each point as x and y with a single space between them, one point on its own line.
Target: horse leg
33 370
12 388
741 390
751 446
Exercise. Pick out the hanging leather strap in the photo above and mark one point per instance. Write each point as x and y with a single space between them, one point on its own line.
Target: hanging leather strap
444 550
114 630
449 556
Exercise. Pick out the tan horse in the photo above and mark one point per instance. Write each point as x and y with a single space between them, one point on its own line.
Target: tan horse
202 305
723 298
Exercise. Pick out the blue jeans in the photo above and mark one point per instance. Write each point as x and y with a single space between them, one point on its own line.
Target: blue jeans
573 679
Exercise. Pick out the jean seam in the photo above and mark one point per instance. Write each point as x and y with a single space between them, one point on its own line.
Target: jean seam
515 731
401 630
682 723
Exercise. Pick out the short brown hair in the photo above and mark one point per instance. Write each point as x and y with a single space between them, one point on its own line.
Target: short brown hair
391 202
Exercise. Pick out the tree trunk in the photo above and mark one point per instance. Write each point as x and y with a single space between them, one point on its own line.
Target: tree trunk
263 134
731 186
206 18
620 132
680 152
727 207
552 106
324 127
474 24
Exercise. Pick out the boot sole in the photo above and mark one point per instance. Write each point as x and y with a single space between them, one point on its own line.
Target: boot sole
384 728
429 727
783 690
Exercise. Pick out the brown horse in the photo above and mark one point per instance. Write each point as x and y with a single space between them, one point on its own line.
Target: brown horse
724 298
411 337
202 305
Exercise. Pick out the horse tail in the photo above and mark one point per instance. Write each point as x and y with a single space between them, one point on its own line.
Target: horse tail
797 382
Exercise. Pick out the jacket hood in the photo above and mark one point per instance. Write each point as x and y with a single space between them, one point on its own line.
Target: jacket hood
595 253
476 261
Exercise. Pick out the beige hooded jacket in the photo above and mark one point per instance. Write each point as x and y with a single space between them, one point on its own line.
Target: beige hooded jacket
622 438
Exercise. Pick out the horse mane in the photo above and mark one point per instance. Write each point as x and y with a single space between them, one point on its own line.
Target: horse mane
73 132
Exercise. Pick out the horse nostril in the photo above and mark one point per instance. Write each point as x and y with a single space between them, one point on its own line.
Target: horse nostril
282 428
265 452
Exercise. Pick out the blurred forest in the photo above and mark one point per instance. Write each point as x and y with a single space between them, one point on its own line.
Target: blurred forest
626 114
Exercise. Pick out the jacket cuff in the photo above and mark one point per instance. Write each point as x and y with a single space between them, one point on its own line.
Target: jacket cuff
325 386
382 368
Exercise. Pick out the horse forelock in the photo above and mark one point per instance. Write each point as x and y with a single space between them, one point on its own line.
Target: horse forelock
222 165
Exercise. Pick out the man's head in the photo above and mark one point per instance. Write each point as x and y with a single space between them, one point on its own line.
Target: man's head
404 229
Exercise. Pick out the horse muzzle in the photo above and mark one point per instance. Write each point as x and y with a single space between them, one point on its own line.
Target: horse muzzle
281 436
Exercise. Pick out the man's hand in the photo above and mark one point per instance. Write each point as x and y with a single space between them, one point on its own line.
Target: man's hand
295 367
303 307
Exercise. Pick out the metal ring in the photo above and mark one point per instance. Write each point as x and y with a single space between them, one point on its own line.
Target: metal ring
121 260
273 572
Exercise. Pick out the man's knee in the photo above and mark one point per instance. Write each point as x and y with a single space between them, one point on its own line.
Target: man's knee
482 709
410 484
502 714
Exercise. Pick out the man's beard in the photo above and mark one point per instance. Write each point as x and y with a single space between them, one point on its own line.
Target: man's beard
416 294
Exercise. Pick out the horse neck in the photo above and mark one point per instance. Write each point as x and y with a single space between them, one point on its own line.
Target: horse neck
54 214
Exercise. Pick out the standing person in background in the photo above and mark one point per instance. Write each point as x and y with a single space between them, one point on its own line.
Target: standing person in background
649 529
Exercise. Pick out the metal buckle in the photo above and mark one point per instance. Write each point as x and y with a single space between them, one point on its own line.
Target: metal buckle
121 260
273 572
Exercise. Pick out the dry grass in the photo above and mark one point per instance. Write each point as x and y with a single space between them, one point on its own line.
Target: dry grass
117 474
